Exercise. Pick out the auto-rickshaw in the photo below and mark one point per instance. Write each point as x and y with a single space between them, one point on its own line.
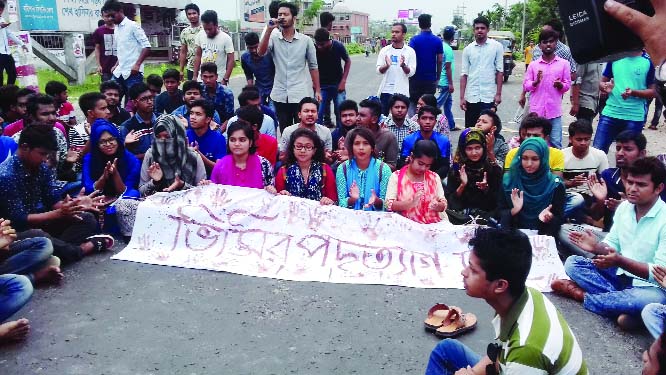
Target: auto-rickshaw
508 41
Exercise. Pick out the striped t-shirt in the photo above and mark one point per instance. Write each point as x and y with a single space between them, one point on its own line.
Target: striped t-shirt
536 339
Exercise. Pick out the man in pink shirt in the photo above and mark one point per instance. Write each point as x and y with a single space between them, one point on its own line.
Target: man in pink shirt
547 79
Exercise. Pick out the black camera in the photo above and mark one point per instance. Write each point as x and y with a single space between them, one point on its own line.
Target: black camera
596 36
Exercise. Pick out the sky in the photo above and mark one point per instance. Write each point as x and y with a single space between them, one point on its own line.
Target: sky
442 10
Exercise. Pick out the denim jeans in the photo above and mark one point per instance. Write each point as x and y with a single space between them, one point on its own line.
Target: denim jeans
450 356
15 291
127 83
608 128
330 94
607 293
573 204
27 256
556 132
653 317
445 101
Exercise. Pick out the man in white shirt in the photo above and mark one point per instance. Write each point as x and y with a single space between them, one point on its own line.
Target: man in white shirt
213 45
482 73
7 62
396 62
131 44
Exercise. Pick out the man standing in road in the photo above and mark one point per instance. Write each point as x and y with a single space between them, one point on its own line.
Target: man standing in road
547 78
293 54
482 73
429 55
528 54
333 76
131 44
188 46
105 53
259 70
7 62
445 86
215 46
585 91
396 62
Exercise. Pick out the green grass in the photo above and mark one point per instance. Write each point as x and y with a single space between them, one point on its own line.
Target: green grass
92 81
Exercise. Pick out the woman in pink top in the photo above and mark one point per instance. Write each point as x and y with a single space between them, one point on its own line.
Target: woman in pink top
242 166
416 192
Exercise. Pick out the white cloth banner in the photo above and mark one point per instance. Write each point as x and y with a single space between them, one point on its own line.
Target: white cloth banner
250 232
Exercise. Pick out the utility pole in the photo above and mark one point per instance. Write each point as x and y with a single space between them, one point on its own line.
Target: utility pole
522 38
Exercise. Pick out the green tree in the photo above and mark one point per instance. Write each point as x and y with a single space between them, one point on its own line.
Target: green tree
458 21
311 13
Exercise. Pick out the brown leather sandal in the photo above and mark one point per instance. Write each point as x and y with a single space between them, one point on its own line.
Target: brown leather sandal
457 324
436 316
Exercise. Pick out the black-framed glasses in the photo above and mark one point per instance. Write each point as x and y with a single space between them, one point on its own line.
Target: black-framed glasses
108 141
304 147
147 99
493 351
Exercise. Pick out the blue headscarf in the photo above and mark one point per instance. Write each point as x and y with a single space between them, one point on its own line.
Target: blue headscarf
537 187
98 159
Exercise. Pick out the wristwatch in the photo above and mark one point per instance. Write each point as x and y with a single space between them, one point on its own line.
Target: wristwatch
225 80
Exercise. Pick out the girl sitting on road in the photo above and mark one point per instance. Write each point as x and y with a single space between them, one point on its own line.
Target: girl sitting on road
362 180
415 191
533 197
242 166
306 175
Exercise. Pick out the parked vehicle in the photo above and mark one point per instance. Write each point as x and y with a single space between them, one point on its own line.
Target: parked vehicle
508 40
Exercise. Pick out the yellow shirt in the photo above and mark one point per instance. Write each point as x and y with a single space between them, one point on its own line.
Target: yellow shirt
528 54
556 159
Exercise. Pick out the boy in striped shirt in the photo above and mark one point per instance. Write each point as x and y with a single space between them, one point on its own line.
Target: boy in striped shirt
533 337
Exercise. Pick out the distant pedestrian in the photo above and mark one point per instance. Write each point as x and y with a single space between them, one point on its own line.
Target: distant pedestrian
334 65
482 73
396 62
7 62
528 54
105 52
213 46
188 46
429 56
131 44
446 86
294 55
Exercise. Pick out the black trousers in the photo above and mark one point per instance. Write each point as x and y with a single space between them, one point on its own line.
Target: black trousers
585 114
66 236
287 114
474 111
7 64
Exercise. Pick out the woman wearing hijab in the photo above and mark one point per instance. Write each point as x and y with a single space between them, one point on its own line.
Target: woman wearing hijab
168 165
473 181
109 167
415 191
533 197
362 180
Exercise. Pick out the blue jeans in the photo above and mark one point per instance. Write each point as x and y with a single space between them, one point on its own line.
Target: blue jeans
573 204
27 256
127 83
608 128
445 101
449 356
607 293
15 291
556 132
653 316
330 94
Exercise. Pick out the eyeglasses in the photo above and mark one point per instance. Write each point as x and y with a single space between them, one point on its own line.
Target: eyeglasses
146 99
304 147
108 141
493 351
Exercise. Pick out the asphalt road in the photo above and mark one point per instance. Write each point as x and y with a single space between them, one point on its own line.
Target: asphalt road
114 317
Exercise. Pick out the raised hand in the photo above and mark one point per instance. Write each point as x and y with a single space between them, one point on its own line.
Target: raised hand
372 200
483 184
132 137
438 204
464 179
155 172
387 59
612 203
516 200
539 77
597 187
586 240
194 146
354 191
627 93
579 180
92 202
72 156
417 198
558 83
70 209
183 121
607 87
7 234
546 216
177 184
611 259
402 60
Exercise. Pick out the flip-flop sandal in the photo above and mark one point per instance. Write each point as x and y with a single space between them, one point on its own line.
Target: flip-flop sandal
102 241
458 324
436 316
